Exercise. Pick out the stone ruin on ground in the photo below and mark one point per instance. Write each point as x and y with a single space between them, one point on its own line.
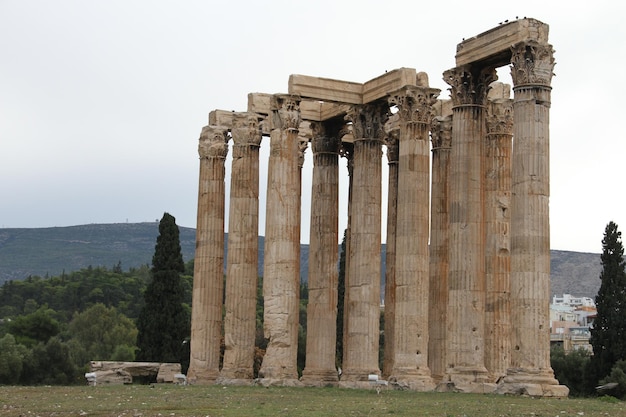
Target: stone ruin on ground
469 313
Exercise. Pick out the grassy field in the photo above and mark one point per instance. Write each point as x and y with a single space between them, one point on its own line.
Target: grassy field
214 401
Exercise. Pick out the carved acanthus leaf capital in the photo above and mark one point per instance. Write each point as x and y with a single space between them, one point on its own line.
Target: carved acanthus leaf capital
467 86
415 104
246 129
500 118
213 142
368 120
532 63
325 138
303 144
441 132
393 150
285 111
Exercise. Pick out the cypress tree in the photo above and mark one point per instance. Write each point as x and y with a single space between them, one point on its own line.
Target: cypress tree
608 335
163 323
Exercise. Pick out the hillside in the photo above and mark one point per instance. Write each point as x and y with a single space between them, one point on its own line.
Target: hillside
50 251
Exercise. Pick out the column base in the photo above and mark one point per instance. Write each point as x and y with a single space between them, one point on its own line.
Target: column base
469 379
320 378
278 373
203 377
411 379
237 373
536 383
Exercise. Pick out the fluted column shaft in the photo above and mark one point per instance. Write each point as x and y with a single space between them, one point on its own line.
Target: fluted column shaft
362 309
281 277
466 280
497 237
208 282
323 257
438 272
390 262
242 260
410 364
531 71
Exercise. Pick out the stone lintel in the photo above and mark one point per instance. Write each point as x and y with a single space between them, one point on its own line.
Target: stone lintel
311 110
348 92
493 47
326 89
381 86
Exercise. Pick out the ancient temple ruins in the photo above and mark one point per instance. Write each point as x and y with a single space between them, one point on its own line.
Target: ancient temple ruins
466 304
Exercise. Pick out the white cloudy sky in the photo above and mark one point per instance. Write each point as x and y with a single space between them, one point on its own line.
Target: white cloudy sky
102 102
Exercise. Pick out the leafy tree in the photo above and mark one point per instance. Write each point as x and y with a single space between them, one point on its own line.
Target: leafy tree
50 363
608 335
12 356
101 333
618 376
164 322
35 327
569 369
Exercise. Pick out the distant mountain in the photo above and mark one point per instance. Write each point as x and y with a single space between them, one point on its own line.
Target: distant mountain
50 251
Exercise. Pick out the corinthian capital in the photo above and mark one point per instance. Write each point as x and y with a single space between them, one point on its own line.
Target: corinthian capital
532 63
246 129
393 150
500 117
468 86
368 120
213 142
285 111
441 132
415 104
325 138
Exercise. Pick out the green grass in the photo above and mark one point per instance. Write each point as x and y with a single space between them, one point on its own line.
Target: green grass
214 401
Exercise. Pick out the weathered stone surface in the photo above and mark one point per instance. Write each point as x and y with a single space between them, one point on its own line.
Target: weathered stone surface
167 372
448 307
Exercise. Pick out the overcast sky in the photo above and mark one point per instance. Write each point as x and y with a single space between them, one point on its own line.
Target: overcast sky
102 102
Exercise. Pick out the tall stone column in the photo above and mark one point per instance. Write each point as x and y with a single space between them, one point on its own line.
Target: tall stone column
281 276
390 262
208 282
497 164
410 364
362 309
531 69
466 279
441 132
320 368
242 260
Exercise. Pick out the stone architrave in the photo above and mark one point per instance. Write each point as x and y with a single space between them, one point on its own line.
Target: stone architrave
242 259
390 262
281 276
441 135
208 282
362 306
410 336
497 164
466 281
530 372
320 367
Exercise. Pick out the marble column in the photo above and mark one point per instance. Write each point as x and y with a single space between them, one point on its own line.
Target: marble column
281 276
362 308
242 260
208 281
390 261
320 368
466 280
497 165
410 364
441 135
531 69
